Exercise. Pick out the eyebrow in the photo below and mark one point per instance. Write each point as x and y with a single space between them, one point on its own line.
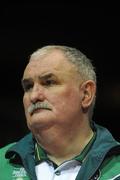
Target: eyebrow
41 77
46 76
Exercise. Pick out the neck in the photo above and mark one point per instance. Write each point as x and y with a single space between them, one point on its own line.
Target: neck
65 145
71 150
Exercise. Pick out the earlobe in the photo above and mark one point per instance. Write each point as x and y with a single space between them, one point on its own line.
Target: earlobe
88 92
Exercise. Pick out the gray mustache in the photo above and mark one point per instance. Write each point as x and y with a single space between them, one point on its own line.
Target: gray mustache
38 105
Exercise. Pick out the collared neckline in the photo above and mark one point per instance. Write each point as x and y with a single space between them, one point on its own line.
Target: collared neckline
41 154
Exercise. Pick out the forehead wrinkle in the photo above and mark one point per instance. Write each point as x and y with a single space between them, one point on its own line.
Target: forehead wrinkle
55 57
53 62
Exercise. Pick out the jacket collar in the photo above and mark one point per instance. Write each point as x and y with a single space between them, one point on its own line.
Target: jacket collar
104 145
23 153
22 147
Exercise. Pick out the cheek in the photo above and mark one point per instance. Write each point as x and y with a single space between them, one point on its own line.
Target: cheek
65 100
25 103
71 95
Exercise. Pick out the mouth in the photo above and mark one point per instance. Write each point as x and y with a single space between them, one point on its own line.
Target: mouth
38 110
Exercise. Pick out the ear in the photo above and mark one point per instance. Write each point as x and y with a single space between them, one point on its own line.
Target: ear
88 93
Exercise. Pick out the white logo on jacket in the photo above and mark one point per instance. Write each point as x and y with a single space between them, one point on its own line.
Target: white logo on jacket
19 172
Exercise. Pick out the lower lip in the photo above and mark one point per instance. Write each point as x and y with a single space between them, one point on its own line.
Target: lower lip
38 111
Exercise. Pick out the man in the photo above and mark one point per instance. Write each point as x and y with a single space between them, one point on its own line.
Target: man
59 85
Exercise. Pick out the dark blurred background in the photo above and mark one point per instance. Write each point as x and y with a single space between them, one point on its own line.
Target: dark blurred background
25 27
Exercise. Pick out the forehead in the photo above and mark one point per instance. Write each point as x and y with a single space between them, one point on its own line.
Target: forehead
51 62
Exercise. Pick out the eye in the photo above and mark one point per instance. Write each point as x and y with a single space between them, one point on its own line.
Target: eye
27 86
49 82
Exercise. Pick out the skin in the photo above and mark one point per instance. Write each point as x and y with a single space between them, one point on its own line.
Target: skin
51 78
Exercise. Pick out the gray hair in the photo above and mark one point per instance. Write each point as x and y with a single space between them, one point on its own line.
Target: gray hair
82 63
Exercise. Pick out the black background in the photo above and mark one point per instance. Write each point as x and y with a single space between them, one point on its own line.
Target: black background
25 27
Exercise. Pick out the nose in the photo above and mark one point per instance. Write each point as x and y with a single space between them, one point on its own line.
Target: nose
37 93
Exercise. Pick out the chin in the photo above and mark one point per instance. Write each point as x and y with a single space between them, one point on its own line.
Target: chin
39 125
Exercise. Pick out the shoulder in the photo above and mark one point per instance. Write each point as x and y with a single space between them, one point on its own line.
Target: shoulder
4 163
111 167
4 149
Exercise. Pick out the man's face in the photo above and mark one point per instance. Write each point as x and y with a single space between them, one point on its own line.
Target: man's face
52 82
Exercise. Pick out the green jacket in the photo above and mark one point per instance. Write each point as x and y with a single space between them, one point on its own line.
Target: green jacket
102 161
